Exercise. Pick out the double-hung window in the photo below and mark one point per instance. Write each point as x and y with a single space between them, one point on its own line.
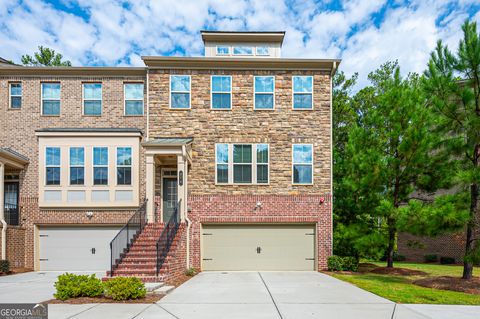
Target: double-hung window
124 165
262 164
50 98
52 166
100 166
302 92
264 88
221 92
15 95
133 98
242 163
221 163
77 165
302 165
180 91
92 99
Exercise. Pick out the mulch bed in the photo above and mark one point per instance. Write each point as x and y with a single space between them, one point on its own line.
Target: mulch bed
15 271
149 298
471 286
179 280
397 271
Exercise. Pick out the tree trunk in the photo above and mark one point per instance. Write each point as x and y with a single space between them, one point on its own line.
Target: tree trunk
391 242
472 224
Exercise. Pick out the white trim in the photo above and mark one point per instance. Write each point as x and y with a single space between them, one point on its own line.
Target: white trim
59 99
264 93
70 166
293 164
95 166
10 95
230 92
171 92
117 166
45 166
305 93
125 98
267 164
216 163
100 99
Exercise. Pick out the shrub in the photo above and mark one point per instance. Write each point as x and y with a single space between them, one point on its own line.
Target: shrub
4 266
432 258
447 260
335 263
124 288
350 263
73 286
191 272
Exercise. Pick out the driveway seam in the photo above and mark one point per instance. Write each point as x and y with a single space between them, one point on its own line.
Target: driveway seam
73 316
273 300
393 312
171 314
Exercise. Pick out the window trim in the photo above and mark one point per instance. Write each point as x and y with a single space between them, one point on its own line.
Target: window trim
255 92
305 93
243 46
46 166
107 166
267 164
117 166
101 99
171 92
10 95
42 99
125 99
312 164
253 163
223 46
216 164
70 166
230 92
262 46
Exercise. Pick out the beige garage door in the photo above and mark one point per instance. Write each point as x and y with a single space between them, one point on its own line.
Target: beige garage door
258 247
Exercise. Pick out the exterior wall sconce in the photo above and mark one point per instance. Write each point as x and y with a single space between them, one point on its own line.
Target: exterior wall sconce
258 206
89 215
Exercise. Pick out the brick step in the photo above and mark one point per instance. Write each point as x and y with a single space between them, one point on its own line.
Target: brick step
144 279
134 272
143 259
136 254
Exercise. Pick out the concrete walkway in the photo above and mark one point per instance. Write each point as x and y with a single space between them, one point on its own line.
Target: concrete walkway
213 295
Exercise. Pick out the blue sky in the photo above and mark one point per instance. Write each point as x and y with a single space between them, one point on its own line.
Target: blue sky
364 33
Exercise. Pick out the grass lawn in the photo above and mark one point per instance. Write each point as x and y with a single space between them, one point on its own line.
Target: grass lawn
401 290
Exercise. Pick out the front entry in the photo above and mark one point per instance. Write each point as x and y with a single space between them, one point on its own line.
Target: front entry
169 196
11 203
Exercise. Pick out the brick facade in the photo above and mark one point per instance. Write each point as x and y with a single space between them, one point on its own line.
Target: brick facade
15 246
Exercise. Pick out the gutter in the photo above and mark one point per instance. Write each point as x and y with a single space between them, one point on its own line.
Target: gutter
189 222
2 214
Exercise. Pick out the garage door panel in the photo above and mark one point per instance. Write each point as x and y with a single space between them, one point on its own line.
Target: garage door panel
258 247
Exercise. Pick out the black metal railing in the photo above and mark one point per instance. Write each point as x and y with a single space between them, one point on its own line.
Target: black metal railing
126 236
12 214
168 235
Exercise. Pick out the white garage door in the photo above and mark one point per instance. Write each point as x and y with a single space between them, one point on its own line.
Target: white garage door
75 248
258 247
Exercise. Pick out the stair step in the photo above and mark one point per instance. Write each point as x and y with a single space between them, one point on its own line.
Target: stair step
152 286
164 289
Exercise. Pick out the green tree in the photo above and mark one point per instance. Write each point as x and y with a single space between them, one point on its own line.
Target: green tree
45 57
456 103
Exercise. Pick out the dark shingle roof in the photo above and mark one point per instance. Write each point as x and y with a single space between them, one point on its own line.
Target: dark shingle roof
13 154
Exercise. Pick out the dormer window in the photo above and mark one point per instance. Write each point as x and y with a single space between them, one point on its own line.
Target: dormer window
242 50
223 50
263 50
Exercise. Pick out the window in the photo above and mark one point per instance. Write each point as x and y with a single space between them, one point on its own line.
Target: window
133 98
264 87
222 50
15 95
242 50
262 51
221 92
92 99
124 165
180 91
302 164
262 163
242 163
77 165
302 92
222 163
52 165
50 98
100 166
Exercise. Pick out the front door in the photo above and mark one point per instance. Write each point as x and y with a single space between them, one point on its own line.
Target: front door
169 190
11 203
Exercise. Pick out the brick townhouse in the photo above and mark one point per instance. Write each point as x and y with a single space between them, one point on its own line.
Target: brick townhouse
220 162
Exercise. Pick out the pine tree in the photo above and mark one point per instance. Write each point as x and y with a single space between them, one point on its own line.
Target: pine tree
45 57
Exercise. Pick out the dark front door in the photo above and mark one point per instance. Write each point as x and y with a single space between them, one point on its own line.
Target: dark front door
169 187
11 203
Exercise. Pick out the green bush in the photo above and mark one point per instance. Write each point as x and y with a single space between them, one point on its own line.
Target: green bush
350 263
432 258
73 286
447 260
191 272
337 263
124 288
4 266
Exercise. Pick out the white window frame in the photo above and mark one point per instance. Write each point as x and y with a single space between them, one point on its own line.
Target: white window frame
100 99
171 92
119 166
255 92
230 164
217 163
125 99
230 92
242 46
100 166
262 46
305 93
223 46
70 166
54 166
50 99
293 163
264 164
10 95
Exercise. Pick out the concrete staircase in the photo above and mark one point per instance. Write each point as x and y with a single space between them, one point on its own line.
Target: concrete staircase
141 259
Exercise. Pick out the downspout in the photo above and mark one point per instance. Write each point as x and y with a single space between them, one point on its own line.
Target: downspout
148 105
189 222
2 213
334 69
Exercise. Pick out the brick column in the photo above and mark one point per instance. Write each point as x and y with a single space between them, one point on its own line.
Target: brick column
2 212
150 187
